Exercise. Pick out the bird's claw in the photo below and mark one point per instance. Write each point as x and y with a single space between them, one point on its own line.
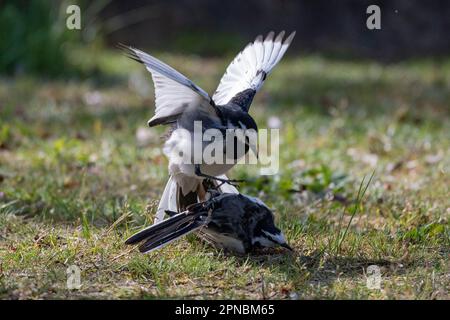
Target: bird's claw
234 182
231 182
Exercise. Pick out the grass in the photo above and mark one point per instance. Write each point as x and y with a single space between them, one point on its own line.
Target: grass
80 172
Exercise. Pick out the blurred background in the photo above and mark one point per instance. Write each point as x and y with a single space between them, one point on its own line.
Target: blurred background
409 28
215 28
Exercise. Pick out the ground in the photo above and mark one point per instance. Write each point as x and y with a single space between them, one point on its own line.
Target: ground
80 172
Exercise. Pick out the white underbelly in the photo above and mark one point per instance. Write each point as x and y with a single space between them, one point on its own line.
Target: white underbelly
222 241
182 162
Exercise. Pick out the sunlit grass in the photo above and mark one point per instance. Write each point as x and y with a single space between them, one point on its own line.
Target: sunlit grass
80 172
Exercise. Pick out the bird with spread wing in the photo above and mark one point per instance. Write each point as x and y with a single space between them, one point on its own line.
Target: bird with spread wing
180 103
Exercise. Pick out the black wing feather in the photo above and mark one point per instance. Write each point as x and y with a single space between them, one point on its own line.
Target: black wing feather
174 221
153 243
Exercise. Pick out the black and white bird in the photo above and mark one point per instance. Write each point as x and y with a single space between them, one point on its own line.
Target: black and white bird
180 102
229 221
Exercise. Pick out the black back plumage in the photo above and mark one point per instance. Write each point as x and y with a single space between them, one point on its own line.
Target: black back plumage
234 215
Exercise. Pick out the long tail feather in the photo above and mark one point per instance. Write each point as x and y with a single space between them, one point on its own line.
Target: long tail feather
167 231
153 230
173 225
154 244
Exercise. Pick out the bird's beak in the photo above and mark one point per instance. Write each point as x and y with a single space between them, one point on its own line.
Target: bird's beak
254 149
285 245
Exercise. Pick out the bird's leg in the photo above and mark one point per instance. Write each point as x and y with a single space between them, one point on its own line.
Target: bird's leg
219 185
201 192
200 174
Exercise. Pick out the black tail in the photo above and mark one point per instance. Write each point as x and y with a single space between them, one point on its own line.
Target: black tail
159 242
185 200
158 235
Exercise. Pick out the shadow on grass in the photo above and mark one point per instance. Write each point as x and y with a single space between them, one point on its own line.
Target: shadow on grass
319 267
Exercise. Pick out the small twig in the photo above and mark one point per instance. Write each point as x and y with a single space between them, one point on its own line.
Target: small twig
42 236
118 221
123 253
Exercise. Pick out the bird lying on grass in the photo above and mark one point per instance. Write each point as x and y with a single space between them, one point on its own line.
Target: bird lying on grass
229 221
180 102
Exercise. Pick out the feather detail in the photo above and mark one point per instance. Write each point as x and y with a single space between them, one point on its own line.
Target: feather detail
174 92
251 66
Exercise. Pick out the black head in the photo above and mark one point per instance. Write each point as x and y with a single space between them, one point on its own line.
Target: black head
265 233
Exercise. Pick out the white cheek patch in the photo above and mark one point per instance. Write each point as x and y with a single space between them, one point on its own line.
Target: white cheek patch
263 241
278 238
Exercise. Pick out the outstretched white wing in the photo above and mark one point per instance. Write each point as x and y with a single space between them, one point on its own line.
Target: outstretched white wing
173 91
251 66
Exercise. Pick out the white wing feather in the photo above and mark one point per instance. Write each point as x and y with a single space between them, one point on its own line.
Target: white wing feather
227 188
173 91
168 200
250 67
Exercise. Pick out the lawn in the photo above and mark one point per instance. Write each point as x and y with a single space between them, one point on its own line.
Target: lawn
80 172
